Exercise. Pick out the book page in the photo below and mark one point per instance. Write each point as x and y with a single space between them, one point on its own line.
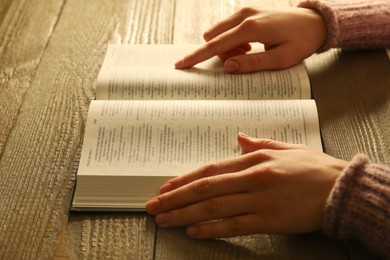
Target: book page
173 137
147 72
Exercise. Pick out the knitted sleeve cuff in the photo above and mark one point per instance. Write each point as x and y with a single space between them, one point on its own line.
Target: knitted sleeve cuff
359 206
354 23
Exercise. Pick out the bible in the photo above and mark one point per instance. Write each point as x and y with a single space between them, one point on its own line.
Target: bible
151 122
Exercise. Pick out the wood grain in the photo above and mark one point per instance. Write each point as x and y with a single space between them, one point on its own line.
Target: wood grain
352 92
26 199
110 236
50 56
174 244
25 29
128 236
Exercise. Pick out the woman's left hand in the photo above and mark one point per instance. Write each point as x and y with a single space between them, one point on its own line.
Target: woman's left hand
274 187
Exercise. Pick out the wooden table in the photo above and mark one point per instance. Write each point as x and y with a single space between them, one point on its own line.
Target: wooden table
50 55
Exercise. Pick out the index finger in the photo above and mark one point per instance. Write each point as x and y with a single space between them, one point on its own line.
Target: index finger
217 46
203 53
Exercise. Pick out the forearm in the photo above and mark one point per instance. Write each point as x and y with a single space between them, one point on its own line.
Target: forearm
354 23
359 206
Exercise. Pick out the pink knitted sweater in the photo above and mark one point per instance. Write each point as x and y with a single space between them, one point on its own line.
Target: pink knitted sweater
359 204
354 23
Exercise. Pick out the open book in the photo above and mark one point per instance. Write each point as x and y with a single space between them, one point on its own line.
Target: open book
151 122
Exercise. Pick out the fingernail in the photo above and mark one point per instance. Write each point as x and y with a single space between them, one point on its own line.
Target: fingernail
152 206
243 134
166 187
179 64
232 66
193 231
163 218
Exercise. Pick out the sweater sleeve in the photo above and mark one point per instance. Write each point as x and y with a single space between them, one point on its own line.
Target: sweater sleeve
358 207
354 23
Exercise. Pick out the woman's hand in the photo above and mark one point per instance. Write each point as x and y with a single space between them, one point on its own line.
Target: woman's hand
288 34
274 188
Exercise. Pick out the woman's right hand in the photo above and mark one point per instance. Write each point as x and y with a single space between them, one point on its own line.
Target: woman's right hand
275 188
289 35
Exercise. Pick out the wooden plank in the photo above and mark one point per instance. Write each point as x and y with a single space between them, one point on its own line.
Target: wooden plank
25 29
129 236
175 244
108 236
352 91
38 160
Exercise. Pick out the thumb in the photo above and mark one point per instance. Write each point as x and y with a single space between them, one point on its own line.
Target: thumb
251 144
